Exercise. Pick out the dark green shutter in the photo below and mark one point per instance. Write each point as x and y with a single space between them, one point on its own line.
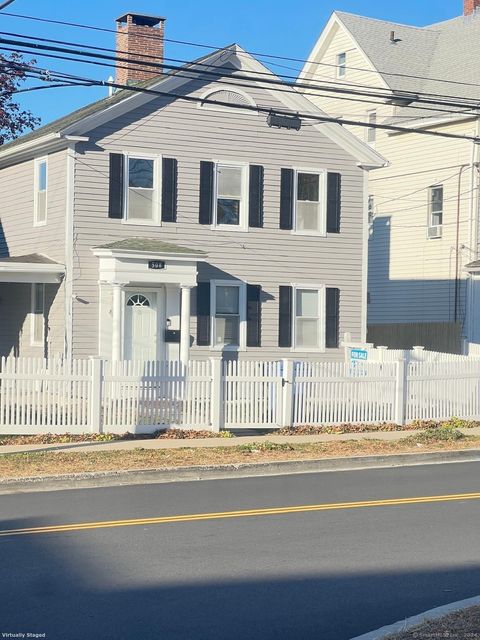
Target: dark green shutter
169 189
285 316
207 183
334 181
255 196
203 314
332 319
286 198
254 323
116 187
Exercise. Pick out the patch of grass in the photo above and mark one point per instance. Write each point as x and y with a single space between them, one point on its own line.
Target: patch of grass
436 434
47 463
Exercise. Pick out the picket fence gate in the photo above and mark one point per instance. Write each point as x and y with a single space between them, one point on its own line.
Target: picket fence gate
76 396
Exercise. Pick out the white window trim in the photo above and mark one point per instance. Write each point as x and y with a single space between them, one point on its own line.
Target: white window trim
321 289
37 163
243 225
341 70
323 201
33 342
157 182
430 224
242 303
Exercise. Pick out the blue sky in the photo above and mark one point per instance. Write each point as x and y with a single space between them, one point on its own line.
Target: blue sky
281 28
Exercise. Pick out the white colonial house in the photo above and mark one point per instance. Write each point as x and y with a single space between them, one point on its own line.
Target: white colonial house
423 283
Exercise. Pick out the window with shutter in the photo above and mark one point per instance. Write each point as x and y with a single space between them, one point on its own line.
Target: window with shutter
254 315
332 317
228 314
169 189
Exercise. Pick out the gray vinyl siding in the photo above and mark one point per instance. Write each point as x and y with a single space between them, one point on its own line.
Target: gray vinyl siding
19 236
16 213
16 321
267 256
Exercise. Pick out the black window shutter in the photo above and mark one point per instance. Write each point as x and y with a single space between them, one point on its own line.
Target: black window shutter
332 318
254 318
334 189
255 196
286 199
169 189
207 172
203 314
115 193
285 317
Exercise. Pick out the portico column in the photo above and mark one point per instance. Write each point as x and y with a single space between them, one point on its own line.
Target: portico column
117 321
185 324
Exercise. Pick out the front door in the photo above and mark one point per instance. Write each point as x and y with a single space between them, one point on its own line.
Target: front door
141 326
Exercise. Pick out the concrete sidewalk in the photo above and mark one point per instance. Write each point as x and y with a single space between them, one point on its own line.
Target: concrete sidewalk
128 445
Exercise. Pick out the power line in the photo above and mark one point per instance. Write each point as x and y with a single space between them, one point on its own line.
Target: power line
271 81
259 109
302 61
379 93
180 72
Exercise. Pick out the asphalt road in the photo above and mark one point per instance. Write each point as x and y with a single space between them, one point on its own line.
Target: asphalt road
322 574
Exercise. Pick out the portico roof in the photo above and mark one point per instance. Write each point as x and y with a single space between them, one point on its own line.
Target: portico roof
150 245
33 267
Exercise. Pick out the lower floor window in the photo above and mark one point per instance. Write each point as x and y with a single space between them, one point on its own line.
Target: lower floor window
307 318
227 316
38 312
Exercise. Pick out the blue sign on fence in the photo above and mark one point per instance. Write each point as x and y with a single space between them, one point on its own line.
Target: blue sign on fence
358 354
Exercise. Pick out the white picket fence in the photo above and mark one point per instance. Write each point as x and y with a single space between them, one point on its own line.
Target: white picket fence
55 396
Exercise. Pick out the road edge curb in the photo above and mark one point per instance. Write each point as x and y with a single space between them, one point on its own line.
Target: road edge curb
218 472
432 614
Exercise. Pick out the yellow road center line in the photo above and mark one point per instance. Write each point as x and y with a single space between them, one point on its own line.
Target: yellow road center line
81 526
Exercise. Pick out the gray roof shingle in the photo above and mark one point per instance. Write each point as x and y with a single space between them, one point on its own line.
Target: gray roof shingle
149 245
442 57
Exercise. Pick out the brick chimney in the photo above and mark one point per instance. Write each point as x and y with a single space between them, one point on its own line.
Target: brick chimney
470 6
138 37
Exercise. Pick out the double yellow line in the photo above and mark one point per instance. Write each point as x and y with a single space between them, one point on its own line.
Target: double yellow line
244 513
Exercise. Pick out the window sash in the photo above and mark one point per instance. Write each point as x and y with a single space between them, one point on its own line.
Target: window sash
41 187
371 131
341 64
230 200
308 322
141 204
310 203
436 206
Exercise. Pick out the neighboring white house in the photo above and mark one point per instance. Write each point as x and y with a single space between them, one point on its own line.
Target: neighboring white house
424 207
158 226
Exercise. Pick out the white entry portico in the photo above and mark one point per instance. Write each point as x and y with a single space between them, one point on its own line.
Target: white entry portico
145 287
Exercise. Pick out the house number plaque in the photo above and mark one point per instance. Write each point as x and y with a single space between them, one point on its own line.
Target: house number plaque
156 264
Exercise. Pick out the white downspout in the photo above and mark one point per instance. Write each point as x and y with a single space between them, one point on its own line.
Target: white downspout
365 236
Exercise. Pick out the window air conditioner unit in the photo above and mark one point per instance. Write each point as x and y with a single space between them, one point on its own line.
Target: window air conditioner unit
434 232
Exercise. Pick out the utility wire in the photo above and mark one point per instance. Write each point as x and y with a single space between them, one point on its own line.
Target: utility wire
390 95
180 72
260 109
302 61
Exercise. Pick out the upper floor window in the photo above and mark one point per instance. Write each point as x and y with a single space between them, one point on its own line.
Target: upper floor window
310 202
341 64
231 195
40 195
228 314
141 197
371 130
435 211
38 314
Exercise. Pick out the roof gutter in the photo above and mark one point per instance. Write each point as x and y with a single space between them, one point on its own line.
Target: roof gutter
44 143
